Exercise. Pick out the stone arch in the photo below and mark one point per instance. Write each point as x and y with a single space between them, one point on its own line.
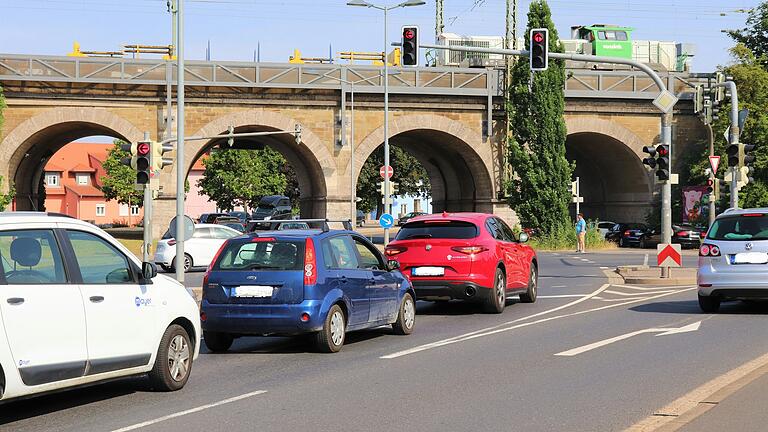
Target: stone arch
314 164
615 183
457 160
24 151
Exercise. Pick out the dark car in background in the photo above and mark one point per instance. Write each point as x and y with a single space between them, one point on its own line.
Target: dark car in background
210 218
626 234
360 220
241 216
687 236
273 207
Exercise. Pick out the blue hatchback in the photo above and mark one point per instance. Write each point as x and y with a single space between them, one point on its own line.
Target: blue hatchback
295 282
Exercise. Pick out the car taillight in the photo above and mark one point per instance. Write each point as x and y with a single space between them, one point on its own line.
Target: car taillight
626 233
469 250
709 250
391 251
262 239
683 233
171 242
310 263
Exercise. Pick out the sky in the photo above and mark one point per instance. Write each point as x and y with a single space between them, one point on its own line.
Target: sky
235 28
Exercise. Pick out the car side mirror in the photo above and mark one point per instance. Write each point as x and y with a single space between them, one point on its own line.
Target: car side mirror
148 270
523 237
392 265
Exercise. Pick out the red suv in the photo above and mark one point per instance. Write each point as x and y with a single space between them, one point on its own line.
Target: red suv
466 256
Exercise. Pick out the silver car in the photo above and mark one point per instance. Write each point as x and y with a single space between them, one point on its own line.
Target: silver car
733 259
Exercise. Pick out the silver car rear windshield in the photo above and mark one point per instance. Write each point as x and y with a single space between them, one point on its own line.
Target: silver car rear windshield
749 226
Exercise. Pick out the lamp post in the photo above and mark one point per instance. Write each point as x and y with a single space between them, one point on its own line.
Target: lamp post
386 9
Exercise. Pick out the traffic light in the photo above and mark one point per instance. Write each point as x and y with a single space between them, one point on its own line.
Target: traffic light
698 100
651 159
158 161
662 162
746 159
129 148
733 155
539 53
410 51
719 92
143 161
713 189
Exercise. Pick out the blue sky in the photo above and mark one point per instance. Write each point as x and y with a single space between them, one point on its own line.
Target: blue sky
236 27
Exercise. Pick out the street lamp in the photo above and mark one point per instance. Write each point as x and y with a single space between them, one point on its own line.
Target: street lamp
385 9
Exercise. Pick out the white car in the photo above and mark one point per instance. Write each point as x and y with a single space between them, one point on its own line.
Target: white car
733 259
198 251
77 307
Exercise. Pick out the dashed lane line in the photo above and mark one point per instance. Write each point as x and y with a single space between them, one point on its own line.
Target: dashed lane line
493 331
190 411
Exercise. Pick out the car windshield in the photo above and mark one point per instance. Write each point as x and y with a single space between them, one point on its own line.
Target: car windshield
442 229
263 254
740 227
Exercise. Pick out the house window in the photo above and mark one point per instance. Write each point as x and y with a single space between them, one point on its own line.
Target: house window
52 179
82 179
134 210
101 210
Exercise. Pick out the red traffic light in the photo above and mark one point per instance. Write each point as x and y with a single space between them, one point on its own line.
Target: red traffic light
409 33
142 148
538 37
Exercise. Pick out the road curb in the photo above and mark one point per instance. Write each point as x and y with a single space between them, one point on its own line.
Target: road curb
659 281
690 406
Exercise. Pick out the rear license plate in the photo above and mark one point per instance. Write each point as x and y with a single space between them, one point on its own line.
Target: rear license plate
749 258
253 291
428 271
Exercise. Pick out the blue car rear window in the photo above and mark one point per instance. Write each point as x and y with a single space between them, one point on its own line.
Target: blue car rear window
245 254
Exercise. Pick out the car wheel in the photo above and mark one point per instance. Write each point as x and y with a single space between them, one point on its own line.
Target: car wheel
165 268
533 284
331 338
174 360
498 299
709 304
406 317
187 262
217 342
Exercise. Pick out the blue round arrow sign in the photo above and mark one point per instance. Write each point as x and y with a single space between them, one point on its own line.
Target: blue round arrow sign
386 220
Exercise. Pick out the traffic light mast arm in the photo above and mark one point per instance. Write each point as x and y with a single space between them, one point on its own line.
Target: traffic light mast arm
296 132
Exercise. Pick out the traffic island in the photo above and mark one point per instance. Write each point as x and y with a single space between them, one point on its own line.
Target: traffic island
645 275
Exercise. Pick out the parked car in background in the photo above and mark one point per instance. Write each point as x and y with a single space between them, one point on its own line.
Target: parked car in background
604 227
685 235
272 207
733 260
360 220
292 225
466 256
408 216
209 218
77 307
198 251
626 234
322 282
241 216
237 226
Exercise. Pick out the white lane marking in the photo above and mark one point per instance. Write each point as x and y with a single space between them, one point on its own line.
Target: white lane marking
634 294
189 411
662 332
604 268
672 287
459 337
584 259
561 296
621 299
482 333
558 286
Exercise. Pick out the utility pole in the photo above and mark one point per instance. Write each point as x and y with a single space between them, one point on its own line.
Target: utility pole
439 18
180 169
509 43
712 176
147 244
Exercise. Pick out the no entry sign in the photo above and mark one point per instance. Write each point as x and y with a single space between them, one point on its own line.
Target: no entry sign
386 172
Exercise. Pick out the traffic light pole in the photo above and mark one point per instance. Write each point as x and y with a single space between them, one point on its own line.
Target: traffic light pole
666 117
713 177
181 173
733 138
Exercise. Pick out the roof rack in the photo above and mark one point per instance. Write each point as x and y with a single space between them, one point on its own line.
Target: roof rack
347 223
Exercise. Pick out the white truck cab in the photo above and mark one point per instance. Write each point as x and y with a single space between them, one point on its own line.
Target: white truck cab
77 307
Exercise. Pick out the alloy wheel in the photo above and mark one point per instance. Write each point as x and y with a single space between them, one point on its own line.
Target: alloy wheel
178 358
337 328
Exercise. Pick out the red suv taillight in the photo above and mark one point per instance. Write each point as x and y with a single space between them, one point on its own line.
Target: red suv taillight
707 250
391 251
469 250
310 263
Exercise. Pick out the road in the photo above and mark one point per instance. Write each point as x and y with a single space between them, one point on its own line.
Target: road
460 370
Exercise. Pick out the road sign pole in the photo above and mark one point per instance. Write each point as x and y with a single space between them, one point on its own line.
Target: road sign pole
145 248
180 170
712 175
578 195
666 189
387 207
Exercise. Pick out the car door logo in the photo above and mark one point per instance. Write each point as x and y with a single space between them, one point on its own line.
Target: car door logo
748 246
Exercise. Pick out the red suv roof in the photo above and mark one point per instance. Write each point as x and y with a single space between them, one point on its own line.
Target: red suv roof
462 216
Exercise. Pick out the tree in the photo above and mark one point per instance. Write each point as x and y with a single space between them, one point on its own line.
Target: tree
6 198
410 175
119 183
751 78
539 191
241 177
755 35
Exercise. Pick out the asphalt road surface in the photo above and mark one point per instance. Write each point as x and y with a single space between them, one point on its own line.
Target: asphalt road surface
587 356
